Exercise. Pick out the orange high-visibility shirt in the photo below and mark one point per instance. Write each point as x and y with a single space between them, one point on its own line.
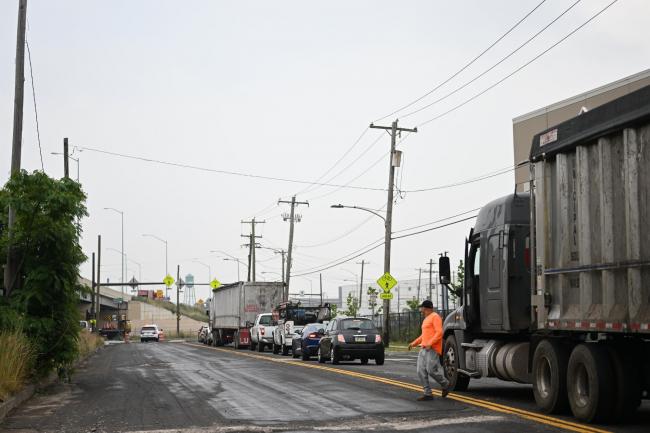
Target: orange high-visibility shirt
431 333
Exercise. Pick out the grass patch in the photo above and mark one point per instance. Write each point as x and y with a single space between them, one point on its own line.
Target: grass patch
88 343
17 357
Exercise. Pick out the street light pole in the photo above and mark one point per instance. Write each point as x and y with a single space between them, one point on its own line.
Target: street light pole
166 256
122 217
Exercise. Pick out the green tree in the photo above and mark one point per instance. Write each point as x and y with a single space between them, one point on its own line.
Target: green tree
352 303
456 287
334 310
372 300
45 239
413 304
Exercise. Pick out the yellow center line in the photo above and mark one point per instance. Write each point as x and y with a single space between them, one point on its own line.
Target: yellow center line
532 416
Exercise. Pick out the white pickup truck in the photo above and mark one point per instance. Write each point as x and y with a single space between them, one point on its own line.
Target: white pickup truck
262 332
292 317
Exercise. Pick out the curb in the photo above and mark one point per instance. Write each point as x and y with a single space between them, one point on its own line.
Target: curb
29 390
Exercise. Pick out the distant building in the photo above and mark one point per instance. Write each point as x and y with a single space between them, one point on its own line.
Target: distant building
526 126
404 291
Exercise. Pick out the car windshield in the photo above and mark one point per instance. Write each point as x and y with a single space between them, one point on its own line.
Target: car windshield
265 320
148 328
357 324
312 328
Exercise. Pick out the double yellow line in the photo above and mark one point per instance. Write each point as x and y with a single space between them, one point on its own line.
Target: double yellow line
496 407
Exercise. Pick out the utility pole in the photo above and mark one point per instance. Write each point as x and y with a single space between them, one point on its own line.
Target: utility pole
98 303
11 268
66 161
395 159
282 252
430 280
252 246
419 282
92 290
321 289
363 263
178 305
291 217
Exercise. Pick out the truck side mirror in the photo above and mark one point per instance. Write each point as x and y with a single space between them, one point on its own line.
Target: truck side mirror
444 270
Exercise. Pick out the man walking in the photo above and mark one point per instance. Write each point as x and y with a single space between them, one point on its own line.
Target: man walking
430 343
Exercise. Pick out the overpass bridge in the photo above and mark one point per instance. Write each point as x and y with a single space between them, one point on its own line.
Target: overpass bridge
111 301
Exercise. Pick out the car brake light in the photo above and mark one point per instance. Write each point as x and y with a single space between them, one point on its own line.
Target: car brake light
377 338
312 335
261 330
341 338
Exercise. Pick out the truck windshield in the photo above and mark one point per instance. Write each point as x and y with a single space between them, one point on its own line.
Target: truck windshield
265 320
302 316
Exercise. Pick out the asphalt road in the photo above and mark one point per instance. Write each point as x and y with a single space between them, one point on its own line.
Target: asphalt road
186 388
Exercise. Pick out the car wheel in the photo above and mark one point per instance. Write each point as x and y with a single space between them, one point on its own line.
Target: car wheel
334 356
157 339
305 356
321 360
457 381
294 353
364 361
260 347
379 359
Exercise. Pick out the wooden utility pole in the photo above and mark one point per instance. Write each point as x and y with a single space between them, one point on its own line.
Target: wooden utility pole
252 246
178 304
395 159
362 263
66 164
419 282
92 290
98 303
430 279
321 289
291 217
11 268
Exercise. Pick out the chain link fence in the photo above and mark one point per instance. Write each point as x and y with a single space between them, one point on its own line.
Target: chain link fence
404 327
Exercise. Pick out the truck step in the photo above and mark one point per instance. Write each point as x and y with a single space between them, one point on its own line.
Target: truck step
470 373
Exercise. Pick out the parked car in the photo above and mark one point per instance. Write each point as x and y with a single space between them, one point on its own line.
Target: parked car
350 338
149 333
262 332
305 344
203 334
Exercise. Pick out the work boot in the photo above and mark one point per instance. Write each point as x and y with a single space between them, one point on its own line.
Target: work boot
425 397
445 392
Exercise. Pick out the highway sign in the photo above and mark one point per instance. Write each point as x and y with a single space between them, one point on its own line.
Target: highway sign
215 284
386 282
168 281
133 283
386 295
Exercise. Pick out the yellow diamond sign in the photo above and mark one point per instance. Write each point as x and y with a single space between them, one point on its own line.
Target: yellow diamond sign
168 280
215 284
386 282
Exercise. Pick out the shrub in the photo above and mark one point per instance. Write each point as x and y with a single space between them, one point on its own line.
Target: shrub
16 361
88 343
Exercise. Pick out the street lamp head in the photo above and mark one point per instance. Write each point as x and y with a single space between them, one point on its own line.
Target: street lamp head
337 206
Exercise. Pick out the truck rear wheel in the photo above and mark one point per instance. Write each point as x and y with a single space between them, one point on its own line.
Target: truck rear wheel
235 339
589 383
260 347
549 376
276 348
457 380
285 350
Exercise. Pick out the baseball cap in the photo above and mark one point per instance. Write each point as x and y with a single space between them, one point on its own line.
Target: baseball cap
426 304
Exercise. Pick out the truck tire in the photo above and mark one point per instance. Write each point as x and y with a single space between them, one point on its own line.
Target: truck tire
321 359
251 346
627 382
590 384
450 360
285 350
235 339
549 376
260 347
276 348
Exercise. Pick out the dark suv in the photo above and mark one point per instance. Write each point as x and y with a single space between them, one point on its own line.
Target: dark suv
350 338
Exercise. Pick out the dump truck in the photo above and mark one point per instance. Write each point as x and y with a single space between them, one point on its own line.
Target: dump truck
556 290
233 309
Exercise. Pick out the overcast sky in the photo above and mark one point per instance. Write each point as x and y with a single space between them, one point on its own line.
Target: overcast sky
283 89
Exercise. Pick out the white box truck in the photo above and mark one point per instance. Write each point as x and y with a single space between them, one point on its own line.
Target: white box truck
233 309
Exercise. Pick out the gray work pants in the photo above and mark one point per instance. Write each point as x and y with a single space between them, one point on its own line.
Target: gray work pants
429 365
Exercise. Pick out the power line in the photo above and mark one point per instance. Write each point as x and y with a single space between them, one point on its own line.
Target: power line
227 172
455 74
518 69
503 59
38 130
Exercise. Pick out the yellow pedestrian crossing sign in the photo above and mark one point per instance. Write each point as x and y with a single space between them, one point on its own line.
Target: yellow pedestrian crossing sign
386 282
168 280
215 284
